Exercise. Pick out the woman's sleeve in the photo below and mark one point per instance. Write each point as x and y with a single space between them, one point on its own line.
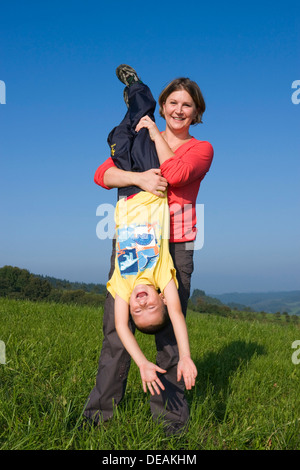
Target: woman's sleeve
99 175
191 165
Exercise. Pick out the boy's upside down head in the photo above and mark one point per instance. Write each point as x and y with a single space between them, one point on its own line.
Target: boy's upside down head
148 309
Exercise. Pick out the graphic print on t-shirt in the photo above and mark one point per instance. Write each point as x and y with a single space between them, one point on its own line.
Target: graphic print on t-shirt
137 249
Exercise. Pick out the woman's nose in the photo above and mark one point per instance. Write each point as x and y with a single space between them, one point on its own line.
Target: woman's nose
179 109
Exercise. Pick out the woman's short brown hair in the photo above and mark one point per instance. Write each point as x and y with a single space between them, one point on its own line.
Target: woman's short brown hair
193 90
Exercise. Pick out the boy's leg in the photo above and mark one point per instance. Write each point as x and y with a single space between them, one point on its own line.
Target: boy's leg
131 150
113 367
171 404
120 141
143 151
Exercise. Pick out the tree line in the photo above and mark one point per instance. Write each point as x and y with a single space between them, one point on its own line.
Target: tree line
16 283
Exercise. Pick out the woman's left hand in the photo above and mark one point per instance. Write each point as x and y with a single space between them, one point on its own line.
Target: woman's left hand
147 122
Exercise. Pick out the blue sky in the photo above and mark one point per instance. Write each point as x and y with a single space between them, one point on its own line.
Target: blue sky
58 62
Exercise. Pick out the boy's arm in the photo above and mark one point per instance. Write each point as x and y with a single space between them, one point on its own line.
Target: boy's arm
186 367
147 369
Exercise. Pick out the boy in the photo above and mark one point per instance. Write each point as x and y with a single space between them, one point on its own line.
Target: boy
143 263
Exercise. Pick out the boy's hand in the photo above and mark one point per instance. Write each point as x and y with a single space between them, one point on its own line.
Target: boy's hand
149 377
187 369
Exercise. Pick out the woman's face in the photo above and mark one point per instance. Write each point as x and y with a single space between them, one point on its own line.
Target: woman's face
179 110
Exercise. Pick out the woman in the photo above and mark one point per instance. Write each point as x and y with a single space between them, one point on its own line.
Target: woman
184 161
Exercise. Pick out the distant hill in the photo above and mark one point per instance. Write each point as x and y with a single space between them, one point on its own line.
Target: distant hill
270 302
200 296
202 302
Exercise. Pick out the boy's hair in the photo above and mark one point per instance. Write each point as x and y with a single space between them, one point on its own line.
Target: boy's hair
152 329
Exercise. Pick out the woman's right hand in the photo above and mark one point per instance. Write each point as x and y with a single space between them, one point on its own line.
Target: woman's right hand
152 181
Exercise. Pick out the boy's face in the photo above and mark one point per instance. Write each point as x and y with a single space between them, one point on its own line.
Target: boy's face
146 305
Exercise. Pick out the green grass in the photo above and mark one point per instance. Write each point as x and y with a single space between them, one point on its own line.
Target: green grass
246 395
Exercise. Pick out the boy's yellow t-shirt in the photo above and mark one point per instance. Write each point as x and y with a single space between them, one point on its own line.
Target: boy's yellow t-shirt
142 245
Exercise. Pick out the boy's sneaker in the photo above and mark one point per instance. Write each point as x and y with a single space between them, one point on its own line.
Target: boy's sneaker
127 75
125 96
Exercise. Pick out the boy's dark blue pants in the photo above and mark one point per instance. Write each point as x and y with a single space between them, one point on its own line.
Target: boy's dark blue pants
131 150
136 152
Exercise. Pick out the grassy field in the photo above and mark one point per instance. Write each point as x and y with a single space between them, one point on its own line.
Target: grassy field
246 396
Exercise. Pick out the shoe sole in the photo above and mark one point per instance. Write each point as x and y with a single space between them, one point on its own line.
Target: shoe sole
123 71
